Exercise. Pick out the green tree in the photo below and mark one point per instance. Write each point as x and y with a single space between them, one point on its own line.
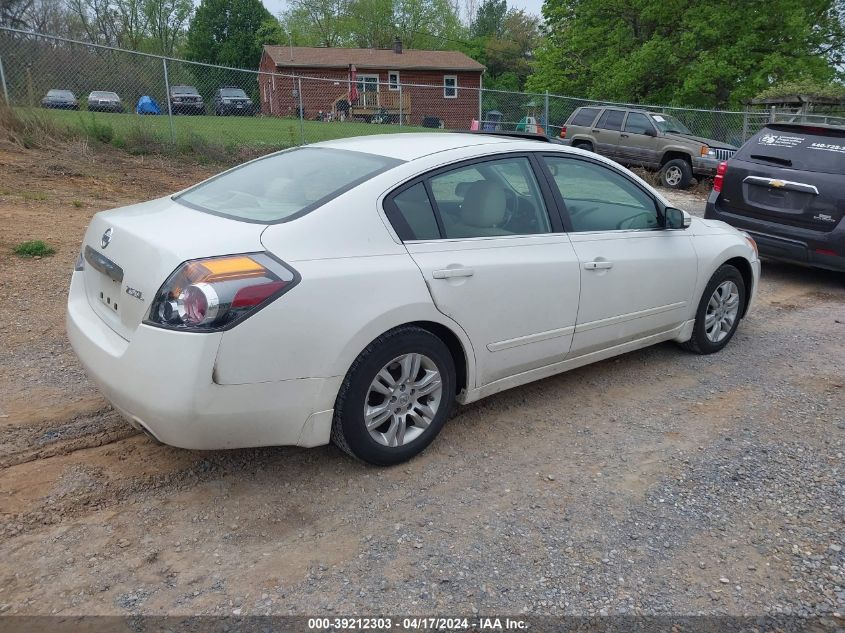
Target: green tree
686 52
490 19
223 32
166 21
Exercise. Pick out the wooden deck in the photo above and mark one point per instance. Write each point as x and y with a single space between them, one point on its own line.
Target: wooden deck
369 104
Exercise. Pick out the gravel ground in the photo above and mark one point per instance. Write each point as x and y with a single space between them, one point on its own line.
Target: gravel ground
658 482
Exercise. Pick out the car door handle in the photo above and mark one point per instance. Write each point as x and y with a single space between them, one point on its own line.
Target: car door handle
624 135
598 265
451 273
596 131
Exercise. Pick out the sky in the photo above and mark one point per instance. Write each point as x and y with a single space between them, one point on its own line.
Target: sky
529 6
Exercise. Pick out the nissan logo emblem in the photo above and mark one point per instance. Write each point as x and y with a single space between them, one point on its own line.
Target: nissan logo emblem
106 239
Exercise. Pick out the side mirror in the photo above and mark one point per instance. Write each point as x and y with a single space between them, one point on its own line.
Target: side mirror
650 131
677 218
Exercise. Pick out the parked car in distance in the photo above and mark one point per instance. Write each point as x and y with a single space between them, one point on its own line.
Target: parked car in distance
60 100
352 290
786 187
639 138
232 101
104 101
186 100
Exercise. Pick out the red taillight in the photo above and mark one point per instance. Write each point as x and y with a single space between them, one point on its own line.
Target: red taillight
253 295
826 251
563 132
721 170
204 295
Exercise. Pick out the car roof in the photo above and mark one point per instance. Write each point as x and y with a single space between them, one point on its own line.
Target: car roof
411 146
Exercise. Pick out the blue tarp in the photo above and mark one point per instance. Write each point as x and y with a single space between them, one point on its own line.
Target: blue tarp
147 105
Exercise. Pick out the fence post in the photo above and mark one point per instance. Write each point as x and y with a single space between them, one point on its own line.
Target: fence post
546 113
745 125
167 96
301 113
400 105
480 117
3 81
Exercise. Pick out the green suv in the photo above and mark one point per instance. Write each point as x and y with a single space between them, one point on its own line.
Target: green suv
640 138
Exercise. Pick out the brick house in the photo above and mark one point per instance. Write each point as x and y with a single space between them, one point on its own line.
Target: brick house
390 83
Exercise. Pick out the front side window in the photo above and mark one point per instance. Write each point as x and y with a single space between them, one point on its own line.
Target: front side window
637 123
611 120
490 199
598 198
284 185
450 86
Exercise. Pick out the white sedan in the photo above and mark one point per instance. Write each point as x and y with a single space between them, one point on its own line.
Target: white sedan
351 291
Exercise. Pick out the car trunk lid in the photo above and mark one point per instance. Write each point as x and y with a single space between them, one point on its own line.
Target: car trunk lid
129 252
790 175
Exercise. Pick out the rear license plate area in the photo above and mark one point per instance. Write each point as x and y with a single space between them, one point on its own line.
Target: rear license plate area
779 200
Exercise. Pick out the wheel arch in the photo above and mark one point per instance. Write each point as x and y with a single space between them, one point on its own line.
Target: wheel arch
744 268
672 154
450 333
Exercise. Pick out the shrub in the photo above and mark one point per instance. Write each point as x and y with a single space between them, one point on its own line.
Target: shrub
34 248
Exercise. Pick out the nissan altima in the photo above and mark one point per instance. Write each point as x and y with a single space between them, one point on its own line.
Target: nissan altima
352 291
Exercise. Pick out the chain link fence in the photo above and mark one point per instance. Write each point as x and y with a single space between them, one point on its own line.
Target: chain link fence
137 100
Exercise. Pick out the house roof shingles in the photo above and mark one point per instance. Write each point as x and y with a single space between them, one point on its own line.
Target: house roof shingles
365 58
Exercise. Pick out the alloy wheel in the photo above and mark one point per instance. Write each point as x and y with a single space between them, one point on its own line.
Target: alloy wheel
722 311
673 176
403 399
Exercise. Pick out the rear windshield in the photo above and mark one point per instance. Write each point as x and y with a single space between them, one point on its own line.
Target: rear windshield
584 116
285 185
796 147
99 94
184 90
232 92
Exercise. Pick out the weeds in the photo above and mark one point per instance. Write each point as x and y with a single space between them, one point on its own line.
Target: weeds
37 196
77 204
33 129
34 248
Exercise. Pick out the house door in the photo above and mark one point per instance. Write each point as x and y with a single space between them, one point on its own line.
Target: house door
368 91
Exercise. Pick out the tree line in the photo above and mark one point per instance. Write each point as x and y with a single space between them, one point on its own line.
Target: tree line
717 53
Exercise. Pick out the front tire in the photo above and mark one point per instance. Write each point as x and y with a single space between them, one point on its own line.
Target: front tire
676 174
395 398
719 311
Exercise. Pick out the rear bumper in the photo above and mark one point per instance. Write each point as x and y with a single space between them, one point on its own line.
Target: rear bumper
162 381
783 242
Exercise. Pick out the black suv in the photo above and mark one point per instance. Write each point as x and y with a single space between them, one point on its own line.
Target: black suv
228 101
786 187
186 100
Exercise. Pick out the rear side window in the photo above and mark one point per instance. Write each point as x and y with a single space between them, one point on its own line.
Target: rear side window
411 214
284 185
584 117
611 120
803 148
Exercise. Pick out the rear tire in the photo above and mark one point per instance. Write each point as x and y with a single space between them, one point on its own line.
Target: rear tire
719 311
395 398
676 174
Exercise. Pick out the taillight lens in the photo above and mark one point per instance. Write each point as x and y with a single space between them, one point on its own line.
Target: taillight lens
563 132
721 170
204 295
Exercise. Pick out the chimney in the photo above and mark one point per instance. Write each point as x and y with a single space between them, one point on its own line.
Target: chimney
397 46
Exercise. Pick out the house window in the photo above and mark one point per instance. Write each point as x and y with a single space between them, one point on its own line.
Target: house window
450 86
393 79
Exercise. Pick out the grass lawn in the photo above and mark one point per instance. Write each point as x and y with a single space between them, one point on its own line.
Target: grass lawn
251 132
